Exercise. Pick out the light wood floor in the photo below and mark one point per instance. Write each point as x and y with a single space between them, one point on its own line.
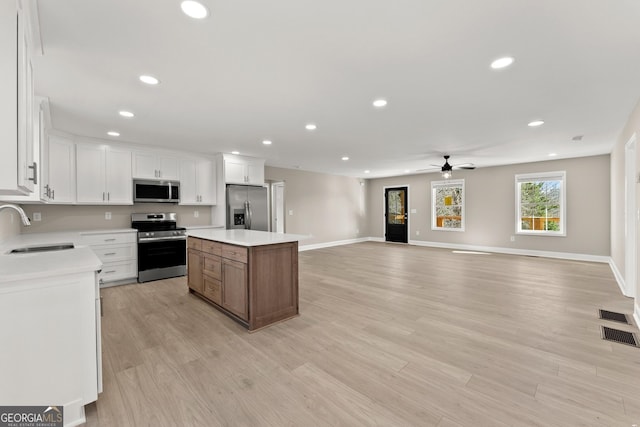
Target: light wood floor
389 335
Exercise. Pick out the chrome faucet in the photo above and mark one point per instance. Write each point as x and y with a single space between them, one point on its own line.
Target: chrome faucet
23 216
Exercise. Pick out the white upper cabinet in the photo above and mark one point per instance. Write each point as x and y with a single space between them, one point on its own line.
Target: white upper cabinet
59 170
243 170
151 165
103 175
197 182
18 166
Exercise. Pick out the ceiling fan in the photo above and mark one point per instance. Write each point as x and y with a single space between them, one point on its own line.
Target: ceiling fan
447 169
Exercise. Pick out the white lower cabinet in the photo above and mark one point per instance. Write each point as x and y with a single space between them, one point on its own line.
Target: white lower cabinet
118 253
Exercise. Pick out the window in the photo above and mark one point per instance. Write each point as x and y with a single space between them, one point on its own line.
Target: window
540 204
447 205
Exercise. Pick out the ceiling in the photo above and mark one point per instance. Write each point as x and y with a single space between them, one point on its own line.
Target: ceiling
256 70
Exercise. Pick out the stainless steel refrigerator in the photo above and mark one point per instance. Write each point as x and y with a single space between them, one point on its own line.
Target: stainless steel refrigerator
247 207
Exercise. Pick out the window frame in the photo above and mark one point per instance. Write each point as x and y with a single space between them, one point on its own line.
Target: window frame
542 176
434 219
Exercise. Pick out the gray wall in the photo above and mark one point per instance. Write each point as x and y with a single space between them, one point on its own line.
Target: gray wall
67 217
9 227
327 207
490 207
618 197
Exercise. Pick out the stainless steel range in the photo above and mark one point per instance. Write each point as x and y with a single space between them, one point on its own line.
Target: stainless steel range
162 246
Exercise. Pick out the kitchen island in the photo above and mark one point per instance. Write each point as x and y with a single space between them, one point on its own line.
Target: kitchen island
251 276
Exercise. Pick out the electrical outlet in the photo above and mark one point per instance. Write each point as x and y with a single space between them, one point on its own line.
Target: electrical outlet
290 212
107 216
196 214
417 232
37 216
414 211
513 238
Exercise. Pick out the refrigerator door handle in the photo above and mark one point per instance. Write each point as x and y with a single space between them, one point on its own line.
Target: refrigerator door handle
250 214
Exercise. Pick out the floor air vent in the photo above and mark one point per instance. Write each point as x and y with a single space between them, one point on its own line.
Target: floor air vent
616 335
612 315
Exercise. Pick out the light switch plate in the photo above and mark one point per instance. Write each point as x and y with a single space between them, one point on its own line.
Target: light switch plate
37 216
290 211
196 214
414 211
107 215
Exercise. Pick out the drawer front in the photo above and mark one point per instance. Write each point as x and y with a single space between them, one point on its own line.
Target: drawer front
213 289
109 238
194 243
213 248
115 253
237 253
118 271
213 266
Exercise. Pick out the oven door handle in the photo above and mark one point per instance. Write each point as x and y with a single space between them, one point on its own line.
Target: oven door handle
160 239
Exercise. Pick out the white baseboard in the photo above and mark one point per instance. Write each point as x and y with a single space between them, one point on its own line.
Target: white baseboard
513 251
619 278
330 244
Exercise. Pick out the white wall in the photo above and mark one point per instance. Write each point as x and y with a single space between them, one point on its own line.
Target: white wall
490 207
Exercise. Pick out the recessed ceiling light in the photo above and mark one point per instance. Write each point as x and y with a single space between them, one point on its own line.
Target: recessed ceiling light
113 133
194 9
536 123
553 154
266 142
310 126
502 62
127 114
345 158
367 171
379 103
150 80
235 152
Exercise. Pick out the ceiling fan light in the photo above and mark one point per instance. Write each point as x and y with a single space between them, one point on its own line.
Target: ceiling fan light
447 174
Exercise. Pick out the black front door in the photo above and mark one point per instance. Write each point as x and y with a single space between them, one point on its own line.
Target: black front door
395 200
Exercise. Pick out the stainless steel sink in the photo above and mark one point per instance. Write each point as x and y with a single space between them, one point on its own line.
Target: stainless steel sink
43 248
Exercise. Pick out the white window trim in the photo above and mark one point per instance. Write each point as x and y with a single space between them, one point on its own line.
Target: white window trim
447 183
527 177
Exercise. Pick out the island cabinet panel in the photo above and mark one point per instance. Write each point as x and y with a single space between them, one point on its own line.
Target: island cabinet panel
195 277
255 285
234 295
276 268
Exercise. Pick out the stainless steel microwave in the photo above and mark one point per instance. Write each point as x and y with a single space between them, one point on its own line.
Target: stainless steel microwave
148 191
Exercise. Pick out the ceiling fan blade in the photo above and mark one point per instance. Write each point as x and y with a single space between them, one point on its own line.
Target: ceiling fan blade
465 167
429 169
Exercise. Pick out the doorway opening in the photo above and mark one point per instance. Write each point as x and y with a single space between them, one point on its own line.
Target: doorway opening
277 207
396 218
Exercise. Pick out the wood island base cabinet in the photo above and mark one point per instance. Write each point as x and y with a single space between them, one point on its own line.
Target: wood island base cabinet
256 286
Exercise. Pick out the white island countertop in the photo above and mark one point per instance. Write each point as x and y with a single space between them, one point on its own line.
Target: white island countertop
246 237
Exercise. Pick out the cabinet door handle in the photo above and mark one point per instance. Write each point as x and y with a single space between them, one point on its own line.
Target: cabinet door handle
109 272
34 167
110 254
103 196
109 240
108 196
53 194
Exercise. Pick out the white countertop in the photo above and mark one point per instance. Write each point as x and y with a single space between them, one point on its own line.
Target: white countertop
245 237
46 264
